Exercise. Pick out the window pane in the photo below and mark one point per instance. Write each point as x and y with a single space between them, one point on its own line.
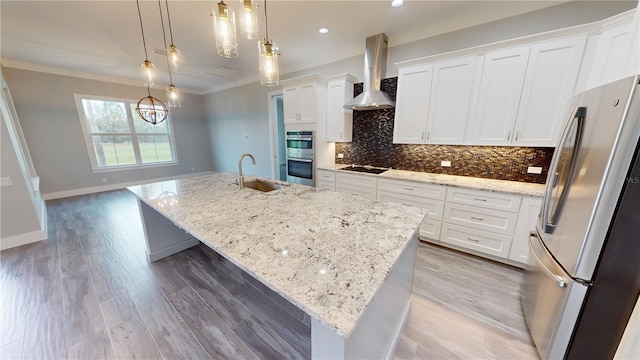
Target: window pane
114 150
143 127
155 148
105 116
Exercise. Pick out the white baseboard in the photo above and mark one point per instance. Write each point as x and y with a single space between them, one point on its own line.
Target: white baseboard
174 249
97 189
22 239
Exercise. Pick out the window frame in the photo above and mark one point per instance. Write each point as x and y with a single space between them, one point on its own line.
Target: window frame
133 134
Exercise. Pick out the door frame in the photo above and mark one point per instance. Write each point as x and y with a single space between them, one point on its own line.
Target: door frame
273 133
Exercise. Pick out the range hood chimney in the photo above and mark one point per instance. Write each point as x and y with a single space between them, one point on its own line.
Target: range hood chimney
375 66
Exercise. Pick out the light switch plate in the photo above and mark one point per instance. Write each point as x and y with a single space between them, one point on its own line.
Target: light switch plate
534 170
5 181
340 156
445 163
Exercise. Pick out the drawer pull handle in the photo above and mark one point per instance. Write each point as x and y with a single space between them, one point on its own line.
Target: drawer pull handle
474 240
479 199
477 218
408 188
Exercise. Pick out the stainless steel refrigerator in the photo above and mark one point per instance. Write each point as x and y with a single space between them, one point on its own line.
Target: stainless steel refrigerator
583 277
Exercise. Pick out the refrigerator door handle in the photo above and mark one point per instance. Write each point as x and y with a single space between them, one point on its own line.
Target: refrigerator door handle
549 220
559 280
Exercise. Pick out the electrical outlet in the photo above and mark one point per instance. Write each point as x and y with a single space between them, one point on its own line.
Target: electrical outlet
5 181
193 168
104 180
340 156
534 170
445 163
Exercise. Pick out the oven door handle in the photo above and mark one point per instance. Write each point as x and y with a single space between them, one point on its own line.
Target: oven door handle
303 160
306 139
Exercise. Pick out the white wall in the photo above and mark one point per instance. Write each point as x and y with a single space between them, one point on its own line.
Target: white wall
242 110
49 119
231 115
18 215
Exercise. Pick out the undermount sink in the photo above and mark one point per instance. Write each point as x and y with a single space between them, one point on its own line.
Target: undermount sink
264 186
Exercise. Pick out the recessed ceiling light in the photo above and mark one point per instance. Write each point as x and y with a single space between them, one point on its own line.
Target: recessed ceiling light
323 30
396 3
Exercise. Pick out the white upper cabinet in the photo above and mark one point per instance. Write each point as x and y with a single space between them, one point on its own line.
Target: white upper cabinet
433 102
412 100
301 99
449 104
339 119
498 97
549 83
524 92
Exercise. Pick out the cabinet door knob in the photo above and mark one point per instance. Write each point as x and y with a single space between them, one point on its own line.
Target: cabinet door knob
422 136
509 136
477 218
517 134
474 240
428 134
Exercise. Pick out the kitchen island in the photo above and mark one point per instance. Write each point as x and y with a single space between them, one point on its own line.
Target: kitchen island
346 261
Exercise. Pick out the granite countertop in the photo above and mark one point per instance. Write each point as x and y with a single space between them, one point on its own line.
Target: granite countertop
326 252
502 186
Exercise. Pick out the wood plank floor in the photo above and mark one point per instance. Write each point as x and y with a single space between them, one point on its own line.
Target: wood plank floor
89 293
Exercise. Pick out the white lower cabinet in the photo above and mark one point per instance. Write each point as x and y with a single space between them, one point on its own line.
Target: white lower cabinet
526 223
485 223
481 221
477 240
354 184
426 196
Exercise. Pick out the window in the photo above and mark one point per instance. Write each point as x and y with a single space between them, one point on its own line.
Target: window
117 138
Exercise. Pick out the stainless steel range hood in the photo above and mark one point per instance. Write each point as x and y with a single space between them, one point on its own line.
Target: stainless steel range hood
375 66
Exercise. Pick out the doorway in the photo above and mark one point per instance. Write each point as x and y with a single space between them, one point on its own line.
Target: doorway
278 144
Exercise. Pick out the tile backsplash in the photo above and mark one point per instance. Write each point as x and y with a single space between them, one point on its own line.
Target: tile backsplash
372 144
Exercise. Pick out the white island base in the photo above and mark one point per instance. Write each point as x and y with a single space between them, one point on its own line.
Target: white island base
380 323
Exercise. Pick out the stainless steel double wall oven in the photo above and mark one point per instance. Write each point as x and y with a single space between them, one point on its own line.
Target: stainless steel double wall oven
300 157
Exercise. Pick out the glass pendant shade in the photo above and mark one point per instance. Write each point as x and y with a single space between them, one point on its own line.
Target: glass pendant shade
249 23
152 110
173 97
224 22
174 56
268 58
148 72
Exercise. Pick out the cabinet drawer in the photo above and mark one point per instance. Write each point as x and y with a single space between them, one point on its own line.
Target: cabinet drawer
326 175
357 180
430 229
435 208
500 222
478 240
368 193
329 185
436 192
485 199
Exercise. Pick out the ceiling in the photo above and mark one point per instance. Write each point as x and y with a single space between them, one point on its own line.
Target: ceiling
102 40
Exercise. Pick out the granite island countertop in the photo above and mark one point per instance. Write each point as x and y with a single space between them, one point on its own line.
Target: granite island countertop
502 186
326 252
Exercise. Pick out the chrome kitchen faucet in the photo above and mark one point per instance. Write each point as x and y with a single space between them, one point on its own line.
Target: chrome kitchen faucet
241 178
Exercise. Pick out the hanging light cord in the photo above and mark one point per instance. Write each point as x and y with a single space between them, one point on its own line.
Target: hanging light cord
169 17
266 22
144 44
164 38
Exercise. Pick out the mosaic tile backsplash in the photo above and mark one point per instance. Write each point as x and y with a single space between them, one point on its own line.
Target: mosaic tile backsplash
372 144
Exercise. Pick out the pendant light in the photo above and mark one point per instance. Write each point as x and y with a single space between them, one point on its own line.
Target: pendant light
249 23
224 23
173 95
150 109
148 69
173 54
268 57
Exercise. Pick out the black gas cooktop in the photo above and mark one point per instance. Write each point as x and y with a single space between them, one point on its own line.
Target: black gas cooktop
364 169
